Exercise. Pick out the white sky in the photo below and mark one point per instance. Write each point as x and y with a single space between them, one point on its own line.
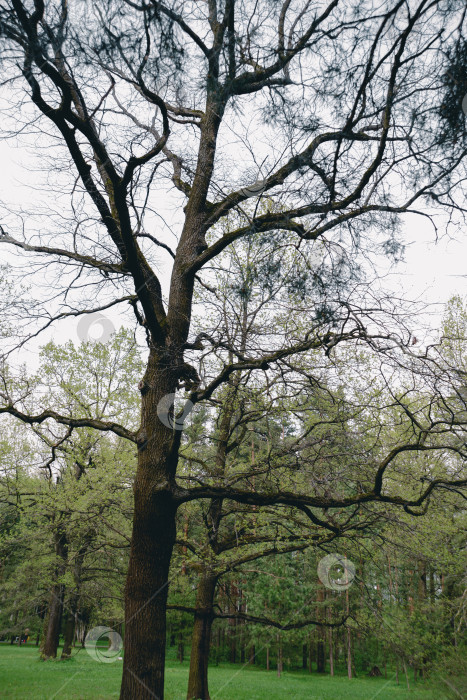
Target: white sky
431 271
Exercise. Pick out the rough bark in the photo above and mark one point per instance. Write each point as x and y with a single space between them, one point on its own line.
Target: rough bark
68 633
53 618
146 598
73 603
153 539
201 639
52 623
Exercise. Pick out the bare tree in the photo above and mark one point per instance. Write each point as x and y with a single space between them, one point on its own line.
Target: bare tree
337 110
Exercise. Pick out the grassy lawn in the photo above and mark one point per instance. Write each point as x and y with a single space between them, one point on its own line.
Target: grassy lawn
24 677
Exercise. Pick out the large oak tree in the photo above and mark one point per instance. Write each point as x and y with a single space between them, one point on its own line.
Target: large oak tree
341 113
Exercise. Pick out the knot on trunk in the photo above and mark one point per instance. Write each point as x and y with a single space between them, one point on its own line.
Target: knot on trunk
143 386
142 440
188 377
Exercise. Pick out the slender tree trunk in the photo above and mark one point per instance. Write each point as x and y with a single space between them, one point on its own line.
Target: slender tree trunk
320 652
220 643
201 638
406 674
321 643
421 580
267 658
241 624
331 653
180 648
349 654
279 656
71 622
432 585
232 626
349 638
390 579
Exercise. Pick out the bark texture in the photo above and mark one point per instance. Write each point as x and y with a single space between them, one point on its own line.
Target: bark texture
201 639
53 617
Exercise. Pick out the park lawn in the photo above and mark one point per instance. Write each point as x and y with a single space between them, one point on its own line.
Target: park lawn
24 677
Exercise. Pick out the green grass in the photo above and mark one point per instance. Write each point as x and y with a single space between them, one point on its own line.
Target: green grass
24 677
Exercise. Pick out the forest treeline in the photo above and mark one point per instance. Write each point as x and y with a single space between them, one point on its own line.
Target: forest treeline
244 584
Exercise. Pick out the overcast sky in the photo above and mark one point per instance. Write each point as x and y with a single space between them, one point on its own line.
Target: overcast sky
430 271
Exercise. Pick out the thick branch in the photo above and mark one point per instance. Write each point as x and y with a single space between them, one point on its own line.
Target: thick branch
105 426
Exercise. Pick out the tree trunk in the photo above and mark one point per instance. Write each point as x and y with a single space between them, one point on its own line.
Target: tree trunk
232 626
146 595
73 605
321 643
53 618
180 648
114 639
331 653
69 632
349 653
432 585
201 638
52 623
241 624
154 531
406 674
320 651
349 638
421 580
279 656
